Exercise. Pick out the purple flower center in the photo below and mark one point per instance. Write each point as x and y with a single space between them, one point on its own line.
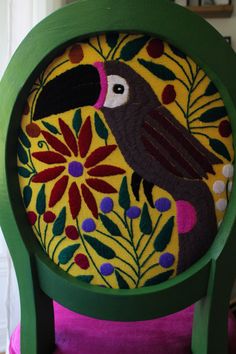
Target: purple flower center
75 169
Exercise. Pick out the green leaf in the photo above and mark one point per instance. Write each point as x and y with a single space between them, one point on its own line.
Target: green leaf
124 199
178 52
158 70
67 253
22 154
145 221
77 121
211 89
41 201
100 127
23 172
112 39
132 48
23 138
220 148
122 283
27 195
59 224
85 278
164 236
159 278
50 127
109 225
101 249
213 114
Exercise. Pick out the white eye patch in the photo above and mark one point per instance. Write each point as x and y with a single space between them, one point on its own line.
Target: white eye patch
117 91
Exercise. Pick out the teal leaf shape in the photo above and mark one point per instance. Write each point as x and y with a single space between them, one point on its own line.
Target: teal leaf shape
23 172
50 127
59 224
124 199
67 253
77 121
178 52
213 114
158 70
99 247
100 127
145 221
109 225
27 195
160 278
164 236
23 138
112 39
22 154
220 148
85 278
41 201
122 283
211 89
132 48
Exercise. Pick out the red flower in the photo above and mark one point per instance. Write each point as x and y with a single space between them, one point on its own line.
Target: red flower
49 217
168 94
67 164
32 217
155 48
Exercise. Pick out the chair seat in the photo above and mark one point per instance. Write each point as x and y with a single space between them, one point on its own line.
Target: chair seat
77 334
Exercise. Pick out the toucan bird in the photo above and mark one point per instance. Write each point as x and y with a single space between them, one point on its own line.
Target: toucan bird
154 144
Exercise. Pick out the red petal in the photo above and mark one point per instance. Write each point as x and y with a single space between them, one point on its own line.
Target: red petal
105 170
99 155
85 137
74 200
58 191
90 200
48 175
68 137
56 144
49 157
100 186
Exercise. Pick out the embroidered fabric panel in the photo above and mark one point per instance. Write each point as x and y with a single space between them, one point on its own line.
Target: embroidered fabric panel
124 160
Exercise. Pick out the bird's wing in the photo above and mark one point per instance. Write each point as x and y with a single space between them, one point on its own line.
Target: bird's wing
174 147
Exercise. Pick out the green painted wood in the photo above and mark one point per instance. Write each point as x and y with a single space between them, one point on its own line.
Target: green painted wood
34 270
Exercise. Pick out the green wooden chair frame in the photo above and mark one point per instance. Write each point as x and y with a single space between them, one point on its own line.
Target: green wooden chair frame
207 283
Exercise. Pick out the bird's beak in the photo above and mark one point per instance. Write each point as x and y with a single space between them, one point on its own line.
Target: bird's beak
84 85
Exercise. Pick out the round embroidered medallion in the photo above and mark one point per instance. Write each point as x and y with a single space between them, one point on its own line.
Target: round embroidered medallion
125 160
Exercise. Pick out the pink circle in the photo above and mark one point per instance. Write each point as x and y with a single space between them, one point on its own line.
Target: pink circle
186 216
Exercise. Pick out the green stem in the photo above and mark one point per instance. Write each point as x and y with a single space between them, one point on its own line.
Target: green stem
139 241
41 143
31 161
70 266
49 244
39 227
203 106
183 83
205 135
147 270
57 245
92 46
52 70
118 242
204 76
91 259
118 46
190 68
179 65
181 108
128 275
33 104
128 264
147 259
205 127
99 46
123 222
45 234
149 240
189 99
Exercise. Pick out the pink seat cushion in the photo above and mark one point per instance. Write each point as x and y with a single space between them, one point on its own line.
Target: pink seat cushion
77 334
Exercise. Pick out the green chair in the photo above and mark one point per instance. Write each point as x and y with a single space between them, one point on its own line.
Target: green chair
117 159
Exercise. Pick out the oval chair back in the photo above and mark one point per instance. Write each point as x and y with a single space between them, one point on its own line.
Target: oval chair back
117 168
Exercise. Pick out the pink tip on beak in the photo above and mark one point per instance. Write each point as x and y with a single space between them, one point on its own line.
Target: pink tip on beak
103 81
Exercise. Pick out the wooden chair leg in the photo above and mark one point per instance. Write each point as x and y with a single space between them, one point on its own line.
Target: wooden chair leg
37 325
210 325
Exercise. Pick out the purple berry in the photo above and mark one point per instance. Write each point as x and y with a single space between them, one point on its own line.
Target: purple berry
167 260
107 269
133 212
162 204
88 225
106 205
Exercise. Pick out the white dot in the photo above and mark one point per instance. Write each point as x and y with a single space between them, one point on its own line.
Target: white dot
228 171
221 204
230 185
219 187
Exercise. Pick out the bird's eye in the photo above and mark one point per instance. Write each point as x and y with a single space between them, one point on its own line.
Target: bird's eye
117 91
